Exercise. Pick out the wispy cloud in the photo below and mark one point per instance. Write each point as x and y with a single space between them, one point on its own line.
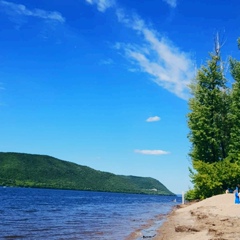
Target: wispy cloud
19 9
151 152
102 5
172 3
153 119
157 56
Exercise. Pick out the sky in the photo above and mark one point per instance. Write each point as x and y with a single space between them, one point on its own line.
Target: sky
104 83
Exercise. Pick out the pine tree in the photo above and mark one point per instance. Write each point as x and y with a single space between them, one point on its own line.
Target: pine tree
209 126
214 123
235 110
208 114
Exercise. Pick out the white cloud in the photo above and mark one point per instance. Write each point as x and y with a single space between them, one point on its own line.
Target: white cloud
153 119
170 67
166 64
102 5
151 152
172 3
20 9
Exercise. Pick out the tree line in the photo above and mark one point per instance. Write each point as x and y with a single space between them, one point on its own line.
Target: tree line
214 124
41 171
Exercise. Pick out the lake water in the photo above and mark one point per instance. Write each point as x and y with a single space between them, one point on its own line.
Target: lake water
27 213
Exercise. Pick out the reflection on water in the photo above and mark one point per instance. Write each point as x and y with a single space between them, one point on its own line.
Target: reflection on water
60 214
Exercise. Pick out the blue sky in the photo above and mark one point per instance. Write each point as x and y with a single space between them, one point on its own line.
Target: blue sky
103 83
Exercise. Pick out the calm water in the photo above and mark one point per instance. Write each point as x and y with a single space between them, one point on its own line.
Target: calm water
59 214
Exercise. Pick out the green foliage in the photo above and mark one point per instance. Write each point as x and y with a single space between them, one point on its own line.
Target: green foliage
28 170
191 194
214 123
207 119
147 183
234 114
214 178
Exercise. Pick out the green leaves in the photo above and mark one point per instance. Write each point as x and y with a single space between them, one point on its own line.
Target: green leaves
28 170
207 113
234 114
214 178
214 123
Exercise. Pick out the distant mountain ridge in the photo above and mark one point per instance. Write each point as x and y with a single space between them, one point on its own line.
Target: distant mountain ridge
32 170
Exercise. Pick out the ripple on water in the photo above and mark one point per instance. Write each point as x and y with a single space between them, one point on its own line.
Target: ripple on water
13 236
55 214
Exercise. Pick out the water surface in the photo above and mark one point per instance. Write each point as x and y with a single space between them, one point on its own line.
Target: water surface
27 213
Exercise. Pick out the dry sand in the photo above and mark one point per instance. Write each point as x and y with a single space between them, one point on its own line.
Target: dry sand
215 218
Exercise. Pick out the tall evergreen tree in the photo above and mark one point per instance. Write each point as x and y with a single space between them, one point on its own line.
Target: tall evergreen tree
235 110
208 122
214 123
208 114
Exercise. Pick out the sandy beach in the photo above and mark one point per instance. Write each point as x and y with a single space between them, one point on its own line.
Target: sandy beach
215 218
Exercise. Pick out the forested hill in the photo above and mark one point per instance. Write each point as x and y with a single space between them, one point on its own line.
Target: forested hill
30 170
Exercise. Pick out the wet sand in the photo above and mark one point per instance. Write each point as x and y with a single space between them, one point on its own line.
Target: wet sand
148 230
215 218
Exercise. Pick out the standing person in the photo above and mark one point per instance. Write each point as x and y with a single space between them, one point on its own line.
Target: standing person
236 196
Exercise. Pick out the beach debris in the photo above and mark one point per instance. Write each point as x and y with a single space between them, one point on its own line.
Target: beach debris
186 229
152 236
224 219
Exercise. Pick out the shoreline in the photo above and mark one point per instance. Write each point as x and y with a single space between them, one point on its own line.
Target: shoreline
148 230
215 218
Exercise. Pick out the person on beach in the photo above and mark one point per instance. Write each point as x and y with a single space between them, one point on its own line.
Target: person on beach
236 196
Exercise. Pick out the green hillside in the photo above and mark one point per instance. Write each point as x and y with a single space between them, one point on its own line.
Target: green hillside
30 170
